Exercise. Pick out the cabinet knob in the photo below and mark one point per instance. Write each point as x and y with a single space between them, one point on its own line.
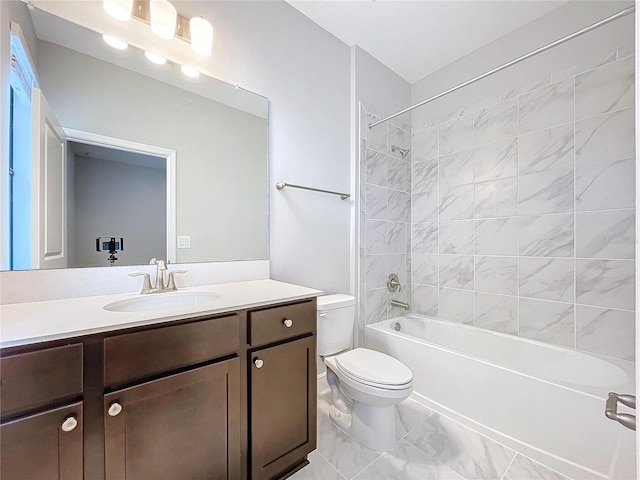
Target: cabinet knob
114 409
258 362
287 322
69 424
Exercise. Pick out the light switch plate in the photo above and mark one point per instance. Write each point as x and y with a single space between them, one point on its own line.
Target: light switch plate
184 241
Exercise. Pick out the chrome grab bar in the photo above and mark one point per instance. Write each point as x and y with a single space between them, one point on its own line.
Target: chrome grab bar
611 409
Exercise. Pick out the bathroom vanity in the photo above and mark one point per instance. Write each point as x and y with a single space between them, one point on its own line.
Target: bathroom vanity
224 390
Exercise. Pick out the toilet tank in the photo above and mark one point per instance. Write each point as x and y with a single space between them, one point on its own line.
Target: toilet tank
336 316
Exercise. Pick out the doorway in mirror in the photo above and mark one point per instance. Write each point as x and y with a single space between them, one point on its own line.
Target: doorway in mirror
115 193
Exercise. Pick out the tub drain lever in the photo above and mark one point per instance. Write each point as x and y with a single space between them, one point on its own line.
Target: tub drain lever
611 409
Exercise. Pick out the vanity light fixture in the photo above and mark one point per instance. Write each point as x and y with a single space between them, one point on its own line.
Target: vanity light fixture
190 71
115 42
201 34
165 21
163 18
120 9
155 58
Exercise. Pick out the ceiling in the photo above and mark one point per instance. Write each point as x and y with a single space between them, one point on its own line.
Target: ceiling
113 154
416 38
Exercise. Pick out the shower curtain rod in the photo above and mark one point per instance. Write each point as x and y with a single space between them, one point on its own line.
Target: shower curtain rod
593 26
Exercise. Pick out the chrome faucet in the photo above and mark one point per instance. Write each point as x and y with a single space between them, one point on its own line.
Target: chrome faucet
160 285
161 267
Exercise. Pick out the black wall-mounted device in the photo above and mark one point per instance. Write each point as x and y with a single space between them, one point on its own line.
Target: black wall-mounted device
112 245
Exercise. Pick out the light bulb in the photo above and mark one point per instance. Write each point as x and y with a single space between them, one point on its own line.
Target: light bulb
190 71
120 9
163 18
155 58
115 42
201 33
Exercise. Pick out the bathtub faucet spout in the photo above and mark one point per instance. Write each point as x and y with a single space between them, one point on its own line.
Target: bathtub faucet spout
397 303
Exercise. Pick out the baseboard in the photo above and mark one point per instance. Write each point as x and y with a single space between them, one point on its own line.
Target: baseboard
323 386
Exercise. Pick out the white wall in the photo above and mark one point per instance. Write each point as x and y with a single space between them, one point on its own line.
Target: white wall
382 91
271 48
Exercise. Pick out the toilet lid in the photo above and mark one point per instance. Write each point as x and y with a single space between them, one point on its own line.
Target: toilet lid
372 367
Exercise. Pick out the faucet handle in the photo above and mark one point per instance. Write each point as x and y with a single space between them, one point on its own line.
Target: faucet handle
171 283
146 285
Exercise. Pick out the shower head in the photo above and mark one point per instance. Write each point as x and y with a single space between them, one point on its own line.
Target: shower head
403 151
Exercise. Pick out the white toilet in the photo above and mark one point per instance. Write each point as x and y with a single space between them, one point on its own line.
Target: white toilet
365 384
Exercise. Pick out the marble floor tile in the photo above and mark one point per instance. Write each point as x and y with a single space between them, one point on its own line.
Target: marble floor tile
430 447
524 469
345 454
318 469
407 462
409 415
464 451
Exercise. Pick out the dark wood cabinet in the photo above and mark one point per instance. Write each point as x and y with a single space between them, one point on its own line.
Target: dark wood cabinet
54 374
282 407
179 400
185 425
43 446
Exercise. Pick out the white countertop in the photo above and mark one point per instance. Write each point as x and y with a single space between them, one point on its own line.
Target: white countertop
26 323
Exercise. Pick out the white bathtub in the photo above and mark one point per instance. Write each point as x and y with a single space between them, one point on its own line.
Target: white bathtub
544 401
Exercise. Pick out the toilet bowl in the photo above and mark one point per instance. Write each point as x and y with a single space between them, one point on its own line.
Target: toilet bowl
365 384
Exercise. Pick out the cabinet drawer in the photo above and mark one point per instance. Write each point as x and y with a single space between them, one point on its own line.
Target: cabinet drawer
33 379
270 324
142 354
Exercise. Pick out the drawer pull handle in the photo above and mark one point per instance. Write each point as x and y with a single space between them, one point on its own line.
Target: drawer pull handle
258 362
114 409
69 424
287 322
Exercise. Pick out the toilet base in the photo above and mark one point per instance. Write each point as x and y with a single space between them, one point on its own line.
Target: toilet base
372 427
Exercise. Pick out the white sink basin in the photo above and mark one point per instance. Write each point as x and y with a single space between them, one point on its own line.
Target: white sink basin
162 301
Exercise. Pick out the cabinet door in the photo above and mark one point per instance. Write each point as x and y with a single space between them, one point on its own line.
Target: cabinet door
45 446
184 426
282 407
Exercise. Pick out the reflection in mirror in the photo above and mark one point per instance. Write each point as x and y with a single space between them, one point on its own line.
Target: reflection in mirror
69 189
135 214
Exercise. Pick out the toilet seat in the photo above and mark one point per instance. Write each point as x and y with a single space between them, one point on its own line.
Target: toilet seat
374 369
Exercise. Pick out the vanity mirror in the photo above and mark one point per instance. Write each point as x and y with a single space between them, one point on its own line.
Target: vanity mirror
175 166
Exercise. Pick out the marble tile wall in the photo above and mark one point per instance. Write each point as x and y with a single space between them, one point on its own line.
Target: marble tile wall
522 214
385 217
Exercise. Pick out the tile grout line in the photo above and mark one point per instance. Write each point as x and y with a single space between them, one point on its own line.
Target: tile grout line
518 218
473 210
575 238
515 454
